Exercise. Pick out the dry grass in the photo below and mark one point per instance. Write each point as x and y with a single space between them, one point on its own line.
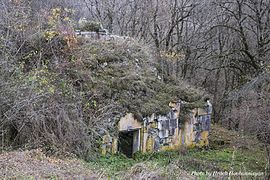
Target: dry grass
221 137
35 164
152 171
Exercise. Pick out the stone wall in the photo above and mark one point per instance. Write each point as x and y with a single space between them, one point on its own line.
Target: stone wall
163 132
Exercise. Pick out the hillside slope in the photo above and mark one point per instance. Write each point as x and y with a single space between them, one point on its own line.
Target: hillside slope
66 97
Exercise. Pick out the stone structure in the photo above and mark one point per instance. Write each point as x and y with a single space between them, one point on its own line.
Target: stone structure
92 30
100 35
157 132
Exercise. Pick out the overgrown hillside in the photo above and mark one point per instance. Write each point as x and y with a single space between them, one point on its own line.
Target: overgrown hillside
65 97
61 93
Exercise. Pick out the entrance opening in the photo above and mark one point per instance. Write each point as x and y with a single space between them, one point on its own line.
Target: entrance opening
125 143
129 142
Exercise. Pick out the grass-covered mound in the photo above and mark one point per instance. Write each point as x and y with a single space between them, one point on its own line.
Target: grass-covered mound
125 74
63 95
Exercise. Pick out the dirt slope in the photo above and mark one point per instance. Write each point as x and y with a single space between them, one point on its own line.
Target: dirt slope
34 164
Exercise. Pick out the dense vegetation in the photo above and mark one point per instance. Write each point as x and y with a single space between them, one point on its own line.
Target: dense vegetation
64 92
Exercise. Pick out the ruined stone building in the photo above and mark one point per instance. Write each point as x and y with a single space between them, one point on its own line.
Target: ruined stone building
155 132
160 132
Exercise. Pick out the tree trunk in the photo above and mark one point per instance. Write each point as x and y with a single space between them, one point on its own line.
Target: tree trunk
267 173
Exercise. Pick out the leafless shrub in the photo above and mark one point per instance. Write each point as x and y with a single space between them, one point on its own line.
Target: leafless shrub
249 111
